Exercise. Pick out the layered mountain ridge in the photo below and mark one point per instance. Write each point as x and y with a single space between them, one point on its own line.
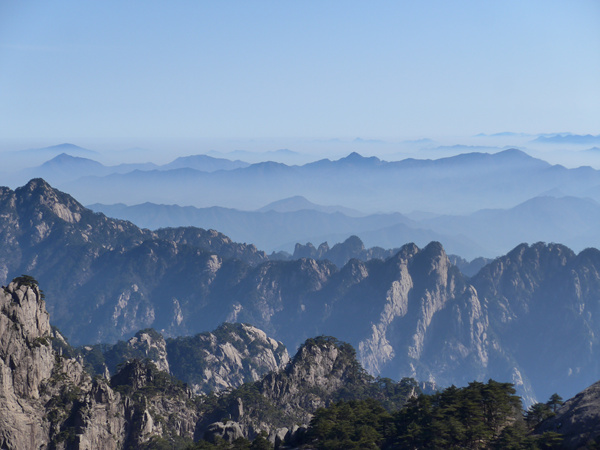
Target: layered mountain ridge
462 183
530 199
48 400
412 314
549 217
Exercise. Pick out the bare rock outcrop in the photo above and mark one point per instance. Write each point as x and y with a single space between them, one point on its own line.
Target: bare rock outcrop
48 400
24 337
323 370
226 358
153 346
26 360
578 420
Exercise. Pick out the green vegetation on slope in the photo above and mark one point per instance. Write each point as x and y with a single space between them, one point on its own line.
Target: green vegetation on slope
479 416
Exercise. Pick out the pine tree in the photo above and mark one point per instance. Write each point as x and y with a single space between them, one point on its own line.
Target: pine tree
555 402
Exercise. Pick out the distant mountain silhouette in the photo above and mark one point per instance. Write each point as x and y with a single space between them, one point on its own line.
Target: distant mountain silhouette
569 220
283 155
298 203
65 167
459 148
270 229
587 139
204 163
594 150
60 148
68 162
453 185
488 233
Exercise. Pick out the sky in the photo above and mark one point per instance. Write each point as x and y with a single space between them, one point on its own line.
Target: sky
135 72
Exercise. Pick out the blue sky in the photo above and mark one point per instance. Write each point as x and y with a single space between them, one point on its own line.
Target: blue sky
125 70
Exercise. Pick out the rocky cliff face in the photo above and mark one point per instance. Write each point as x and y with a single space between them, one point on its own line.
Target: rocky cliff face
324 370
26 361
72 251
320 370
413 314
543 307
104 359
214 241
578 420
430 321
532 311
47 400
152 346
231 355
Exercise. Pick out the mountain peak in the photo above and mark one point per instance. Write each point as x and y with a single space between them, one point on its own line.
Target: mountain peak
37 184
299 202
513 153
295 203
434 248
357 159
39 195
65 158
205 163
355 242
65 145
68 147
322 345
354 155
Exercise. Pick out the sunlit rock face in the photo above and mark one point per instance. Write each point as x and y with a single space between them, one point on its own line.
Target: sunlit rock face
322 371
47 399
26 361
226 358
409 314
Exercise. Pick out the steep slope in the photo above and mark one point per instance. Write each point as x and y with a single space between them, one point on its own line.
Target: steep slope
74 251
323 371
578 420
26 360
413 314
231 355
49 401
543 303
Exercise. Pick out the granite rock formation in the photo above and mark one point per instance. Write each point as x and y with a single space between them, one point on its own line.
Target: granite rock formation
578 420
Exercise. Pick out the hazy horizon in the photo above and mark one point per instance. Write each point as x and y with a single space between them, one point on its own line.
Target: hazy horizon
204 76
